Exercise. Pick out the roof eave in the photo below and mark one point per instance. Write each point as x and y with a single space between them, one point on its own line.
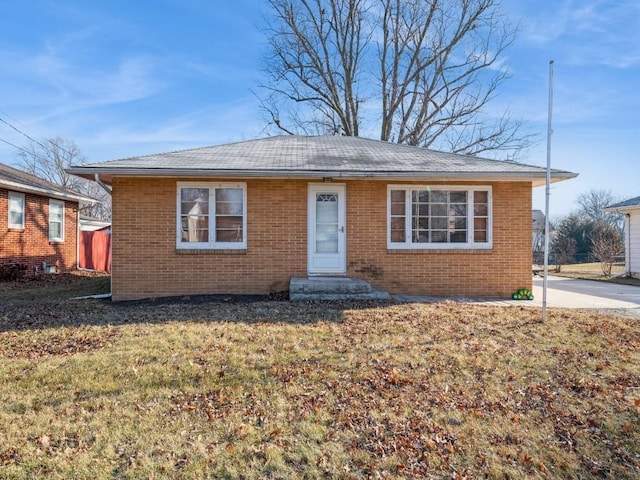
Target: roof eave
20 187
621 208
106 174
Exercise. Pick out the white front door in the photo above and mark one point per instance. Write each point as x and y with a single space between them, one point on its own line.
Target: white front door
327 232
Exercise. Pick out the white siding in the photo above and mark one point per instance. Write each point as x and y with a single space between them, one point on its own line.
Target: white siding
633 242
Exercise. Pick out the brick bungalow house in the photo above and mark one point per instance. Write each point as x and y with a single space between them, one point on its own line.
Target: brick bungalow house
38 222
246 217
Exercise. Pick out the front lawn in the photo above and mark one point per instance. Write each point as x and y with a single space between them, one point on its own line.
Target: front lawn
270 389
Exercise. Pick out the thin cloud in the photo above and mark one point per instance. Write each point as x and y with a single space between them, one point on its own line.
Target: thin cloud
587 33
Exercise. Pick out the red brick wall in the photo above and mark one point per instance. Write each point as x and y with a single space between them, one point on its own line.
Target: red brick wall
146 263
31 246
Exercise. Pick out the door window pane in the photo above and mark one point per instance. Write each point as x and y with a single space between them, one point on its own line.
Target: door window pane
326 223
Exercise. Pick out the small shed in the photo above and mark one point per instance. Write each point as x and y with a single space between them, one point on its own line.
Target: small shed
631 210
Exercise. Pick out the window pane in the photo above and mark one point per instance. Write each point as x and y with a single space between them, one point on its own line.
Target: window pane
481 197
397 236
229 229
439 236
440 216
480 236
439 210
397 196
439 223
16 218
439 196
55 230
481 217
398 216
460 223
420 196
458 197
397 223
195 229
459 210
194 213
397 208
16 210
459 236
327 238
229 195
229 201
480 210
421 236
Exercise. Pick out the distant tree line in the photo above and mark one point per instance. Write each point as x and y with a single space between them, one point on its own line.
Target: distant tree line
588 233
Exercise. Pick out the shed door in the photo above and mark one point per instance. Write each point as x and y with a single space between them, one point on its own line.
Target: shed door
327 232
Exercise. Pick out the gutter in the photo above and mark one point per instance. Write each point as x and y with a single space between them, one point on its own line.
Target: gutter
440 175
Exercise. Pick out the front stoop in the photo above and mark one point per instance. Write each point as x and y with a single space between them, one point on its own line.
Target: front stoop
333 288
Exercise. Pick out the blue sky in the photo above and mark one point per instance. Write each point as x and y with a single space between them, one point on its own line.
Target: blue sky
121 78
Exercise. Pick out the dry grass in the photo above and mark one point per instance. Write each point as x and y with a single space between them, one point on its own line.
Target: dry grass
593 271
278 390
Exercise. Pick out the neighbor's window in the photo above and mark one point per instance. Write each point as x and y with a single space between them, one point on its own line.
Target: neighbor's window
212 215
56 221
16 210
439 217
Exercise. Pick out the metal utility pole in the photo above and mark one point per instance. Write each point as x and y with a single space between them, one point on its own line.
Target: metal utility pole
547 195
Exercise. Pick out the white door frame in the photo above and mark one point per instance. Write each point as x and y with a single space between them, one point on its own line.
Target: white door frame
327 263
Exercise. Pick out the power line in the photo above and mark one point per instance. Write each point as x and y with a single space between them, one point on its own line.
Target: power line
22 133
32 139
14 146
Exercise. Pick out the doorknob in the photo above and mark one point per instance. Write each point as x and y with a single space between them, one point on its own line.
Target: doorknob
341 229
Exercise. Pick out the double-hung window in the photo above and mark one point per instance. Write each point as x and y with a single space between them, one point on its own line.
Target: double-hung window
420 217
16 210
212 215
56 221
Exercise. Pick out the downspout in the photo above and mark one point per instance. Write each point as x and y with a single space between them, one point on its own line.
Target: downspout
104 186
78 237
628 253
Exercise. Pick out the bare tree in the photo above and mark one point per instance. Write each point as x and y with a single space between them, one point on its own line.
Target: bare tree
48 159
428 70
590 205
316 59
606 245
563 248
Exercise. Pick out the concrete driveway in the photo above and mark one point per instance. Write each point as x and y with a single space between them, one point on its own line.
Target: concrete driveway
573 293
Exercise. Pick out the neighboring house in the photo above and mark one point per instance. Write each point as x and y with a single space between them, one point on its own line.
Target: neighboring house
246 217
631 210
38 222
537 231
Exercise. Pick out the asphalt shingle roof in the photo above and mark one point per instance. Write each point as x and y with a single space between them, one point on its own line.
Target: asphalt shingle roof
632 202
299 154
13 178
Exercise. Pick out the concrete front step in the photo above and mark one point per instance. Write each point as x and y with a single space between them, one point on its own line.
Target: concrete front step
333 288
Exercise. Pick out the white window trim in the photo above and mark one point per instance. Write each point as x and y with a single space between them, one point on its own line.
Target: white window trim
211 244
20 197
469 245
61 205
